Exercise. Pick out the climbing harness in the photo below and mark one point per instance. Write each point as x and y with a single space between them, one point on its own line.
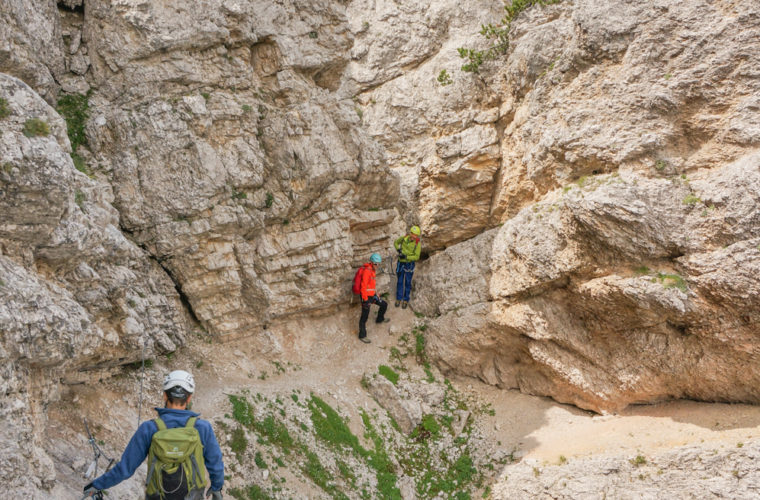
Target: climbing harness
92 470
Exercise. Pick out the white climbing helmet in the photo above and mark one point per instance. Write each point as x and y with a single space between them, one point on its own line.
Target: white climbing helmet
180 378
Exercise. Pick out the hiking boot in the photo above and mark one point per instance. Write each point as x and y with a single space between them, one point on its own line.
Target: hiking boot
384 320
404 304
365 340
397 303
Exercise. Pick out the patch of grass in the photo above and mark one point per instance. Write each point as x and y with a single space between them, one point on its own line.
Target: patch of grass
359 112
389 373
75 109
199 364
238 443
239 195
81 165
5 110
246 108
641 270
269 200
259 460
691 199
331 428
638 461
250 492
672 281
739 445
206 96
313 34
444 78
242 411
562 459
34 127
660 165
430 424
381 463
79 199
346 472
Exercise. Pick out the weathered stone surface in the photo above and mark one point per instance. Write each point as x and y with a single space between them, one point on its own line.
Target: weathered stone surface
405 411
603 295
687 472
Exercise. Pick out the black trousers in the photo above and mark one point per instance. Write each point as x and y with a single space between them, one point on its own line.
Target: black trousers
365 313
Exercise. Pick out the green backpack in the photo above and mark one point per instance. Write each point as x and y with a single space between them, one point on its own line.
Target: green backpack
171 449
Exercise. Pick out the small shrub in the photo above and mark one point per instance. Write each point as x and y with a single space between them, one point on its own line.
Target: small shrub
79 199
80 164
75 109
638 461
444 78
246 108
739 445
313 34
499 34
239 195
206 95
691 199
562 459
199 364
660 165
34 127
387 372
641 270
5 110
270 200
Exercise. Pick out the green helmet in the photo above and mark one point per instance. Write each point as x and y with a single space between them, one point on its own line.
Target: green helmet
375 258
415 230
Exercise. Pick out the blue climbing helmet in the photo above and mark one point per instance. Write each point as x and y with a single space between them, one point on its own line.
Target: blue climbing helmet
375 258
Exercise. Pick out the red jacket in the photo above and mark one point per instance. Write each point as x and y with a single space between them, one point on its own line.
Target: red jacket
368 286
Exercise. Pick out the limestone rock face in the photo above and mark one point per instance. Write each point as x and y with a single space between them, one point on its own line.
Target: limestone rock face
74 292
231 160
628 195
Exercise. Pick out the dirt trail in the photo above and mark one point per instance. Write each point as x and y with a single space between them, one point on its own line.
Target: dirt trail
324 356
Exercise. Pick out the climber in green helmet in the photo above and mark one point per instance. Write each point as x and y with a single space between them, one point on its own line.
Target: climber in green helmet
408 248
368 292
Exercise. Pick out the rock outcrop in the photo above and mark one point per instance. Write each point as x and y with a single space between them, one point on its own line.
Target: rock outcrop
628 281
686 472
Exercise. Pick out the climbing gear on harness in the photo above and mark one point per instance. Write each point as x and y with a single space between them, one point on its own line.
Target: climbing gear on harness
415 230
92 471
173 452
180 378
375 258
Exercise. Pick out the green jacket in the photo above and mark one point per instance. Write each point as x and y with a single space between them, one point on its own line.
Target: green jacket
409 248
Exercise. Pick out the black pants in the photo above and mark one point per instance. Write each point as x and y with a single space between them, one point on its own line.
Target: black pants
365 313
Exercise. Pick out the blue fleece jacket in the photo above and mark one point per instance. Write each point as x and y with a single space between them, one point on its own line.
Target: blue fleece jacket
137 449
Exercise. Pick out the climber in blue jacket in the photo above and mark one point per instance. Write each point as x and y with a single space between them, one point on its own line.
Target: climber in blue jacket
179 387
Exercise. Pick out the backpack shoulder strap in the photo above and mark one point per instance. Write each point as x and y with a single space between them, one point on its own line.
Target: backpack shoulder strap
191 422
159 423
